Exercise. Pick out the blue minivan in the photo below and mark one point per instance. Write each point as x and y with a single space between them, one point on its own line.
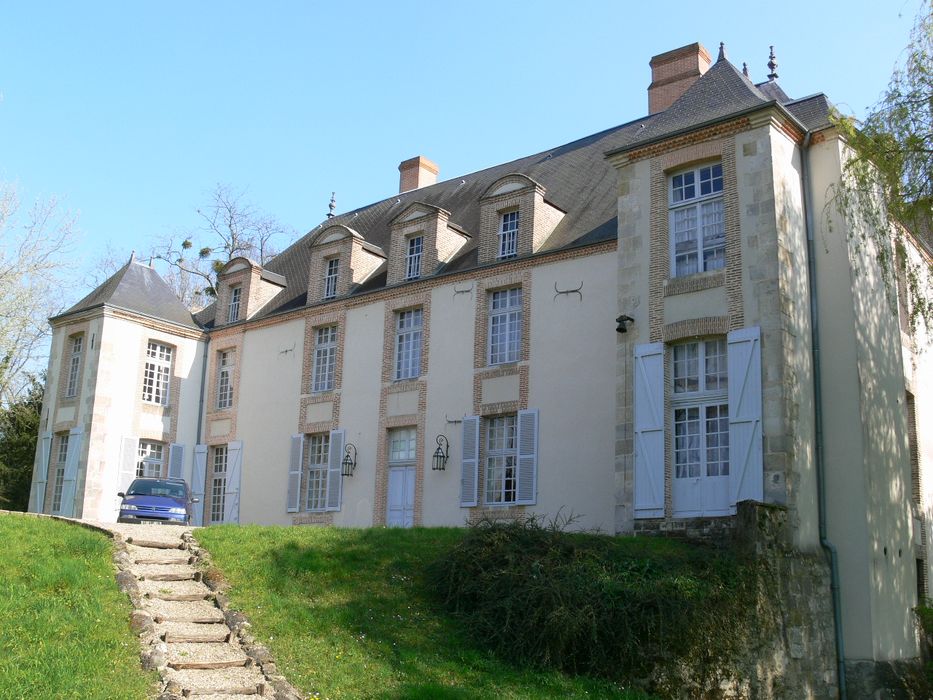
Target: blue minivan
156 501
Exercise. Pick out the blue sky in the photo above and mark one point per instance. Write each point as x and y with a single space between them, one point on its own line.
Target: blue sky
132 112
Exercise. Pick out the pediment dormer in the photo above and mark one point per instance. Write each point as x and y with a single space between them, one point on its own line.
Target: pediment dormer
515 218
422 238
244 287
341 259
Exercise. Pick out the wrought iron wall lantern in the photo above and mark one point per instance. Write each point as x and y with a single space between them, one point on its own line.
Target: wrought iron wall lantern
441 455
622 323
349 462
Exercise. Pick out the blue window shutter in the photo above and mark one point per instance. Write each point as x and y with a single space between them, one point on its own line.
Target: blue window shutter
198 475
294 474
649 430
469 462
527 457
746 469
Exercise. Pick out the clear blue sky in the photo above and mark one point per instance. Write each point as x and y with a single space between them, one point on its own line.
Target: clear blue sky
132 112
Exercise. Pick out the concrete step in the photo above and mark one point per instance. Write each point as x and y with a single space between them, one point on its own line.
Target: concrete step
166 572
206 656
157 544
193 632
184 611
225 681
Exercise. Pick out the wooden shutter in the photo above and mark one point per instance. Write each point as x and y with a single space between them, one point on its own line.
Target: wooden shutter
469 462
70 477
129 457
649 430
527 490
198 476
746 471
176 461
334 477
234 469
37 498
294 474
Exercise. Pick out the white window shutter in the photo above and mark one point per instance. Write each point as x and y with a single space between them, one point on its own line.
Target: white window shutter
198 475
469 462
334 465
70 478
746 470
37 498
649 430
128 459
294 474
176 461
234 469
527 490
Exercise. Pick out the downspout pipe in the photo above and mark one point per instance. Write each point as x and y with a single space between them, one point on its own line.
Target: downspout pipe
828 547
207 342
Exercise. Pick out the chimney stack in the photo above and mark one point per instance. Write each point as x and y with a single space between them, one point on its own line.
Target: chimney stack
673 72
415 173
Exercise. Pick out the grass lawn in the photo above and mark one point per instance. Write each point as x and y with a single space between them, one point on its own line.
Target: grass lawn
64 626
346 614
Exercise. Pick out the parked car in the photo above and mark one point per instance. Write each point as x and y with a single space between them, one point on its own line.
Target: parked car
156 501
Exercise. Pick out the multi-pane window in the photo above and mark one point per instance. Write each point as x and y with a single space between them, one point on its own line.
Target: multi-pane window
505 325
402 446
60 457
316 452
233 311
225 364
701 409
331 269
74 365
508 235
219 484
413 257
325 359
501 459
150 459
156 373
698 233
408 344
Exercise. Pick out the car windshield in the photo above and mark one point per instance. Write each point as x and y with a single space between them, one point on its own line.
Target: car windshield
156 487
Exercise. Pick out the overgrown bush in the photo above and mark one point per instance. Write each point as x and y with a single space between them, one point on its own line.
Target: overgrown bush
584 603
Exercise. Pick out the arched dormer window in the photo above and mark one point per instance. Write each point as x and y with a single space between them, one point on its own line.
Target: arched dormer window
515 218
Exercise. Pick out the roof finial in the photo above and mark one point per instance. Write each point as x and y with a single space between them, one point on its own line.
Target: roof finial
772 65
722 52
332 206
744 69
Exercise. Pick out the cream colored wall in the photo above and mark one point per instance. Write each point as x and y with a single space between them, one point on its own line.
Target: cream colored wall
868 474
267 417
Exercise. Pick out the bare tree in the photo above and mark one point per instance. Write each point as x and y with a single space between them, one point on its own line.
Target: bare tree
32 259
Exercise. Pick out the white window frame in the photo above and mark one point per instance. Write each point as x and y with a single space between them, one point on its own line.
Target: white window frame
150 459
157 373
317 451
219 467
331 273
408 335
697 192
74 365
324 369
508 234
504 341
414 250
226 363
61 457
501 459
233 310
700 383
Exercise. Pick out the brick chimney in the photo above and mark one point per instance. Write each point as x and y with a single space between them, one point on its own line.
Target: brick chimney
673 72
415 173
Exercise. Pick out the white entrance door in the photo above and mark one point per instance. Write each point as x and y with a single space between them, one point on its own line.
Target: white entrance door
401 506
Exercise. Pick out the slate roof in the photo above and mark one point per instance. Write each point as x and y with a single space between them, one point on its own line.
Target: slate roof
139 288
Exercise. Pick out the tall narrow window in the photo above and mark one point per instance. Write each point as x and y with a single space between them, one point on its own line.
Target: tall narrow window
318 447
150 460
233 311
325 359
505 326
225 365
408 344
698 234
330 278
156 373
74 365
413 257
219 484
60 457
501 460
508 235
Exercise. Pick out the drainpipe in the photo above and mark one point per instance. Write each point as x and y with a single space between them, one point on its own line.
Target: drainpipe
828 546
207 343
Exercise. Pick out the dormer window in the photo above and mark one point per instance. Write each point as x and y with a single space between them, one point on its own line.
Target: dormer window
330 278
698 233
233 311
508 235
413 257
